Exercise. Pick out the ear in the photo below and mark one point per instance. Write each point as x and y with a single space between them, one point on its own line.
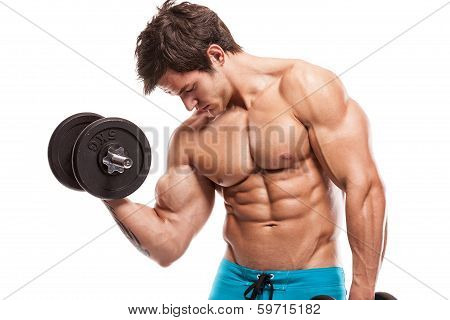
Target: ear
216 54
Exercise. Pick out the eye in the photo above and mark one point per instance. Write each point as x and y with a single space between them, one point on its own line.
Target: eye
190 90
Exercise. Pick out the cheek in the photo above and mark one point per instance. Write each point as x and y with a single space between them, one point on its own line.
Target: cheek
207 92
212 90
203 94
219 90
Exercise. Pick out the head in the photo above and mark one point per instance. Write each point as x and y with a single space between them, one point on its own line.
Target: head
182 51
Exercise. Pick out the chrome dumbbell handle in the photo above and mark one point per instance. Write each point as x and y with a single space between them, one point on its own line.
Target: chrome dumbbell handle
116 160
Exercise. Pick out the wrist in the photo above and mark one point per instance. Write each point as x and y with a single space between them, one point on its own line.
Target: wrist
361 292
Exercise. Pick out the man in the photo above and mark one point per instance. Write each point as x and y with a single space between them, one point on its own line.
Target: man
271 136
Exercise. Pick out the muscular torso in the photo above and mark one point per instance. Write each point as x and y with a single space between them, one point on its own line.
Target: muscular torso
280 210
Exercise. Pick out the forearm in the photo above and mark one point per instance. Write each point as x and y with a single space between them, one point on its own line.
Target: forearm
148 232
365 210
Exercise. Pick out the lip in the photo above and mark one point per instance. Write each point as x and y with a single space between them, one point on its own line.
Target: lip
204 108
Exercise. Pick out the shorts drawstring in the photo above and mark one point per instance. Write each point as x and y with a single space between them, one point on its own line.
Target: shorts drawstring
259 285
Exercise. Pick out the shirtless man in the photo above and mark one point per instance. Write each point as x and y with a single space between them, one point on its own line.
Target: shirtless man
271 136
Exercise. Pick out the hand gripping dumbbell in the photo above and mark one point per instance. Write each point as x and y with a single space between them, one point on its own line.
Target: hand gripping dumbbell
107 157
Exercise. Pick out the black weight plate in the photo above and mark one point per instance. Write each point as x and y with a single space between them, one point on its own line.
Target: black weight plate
61 145
92 146
322 297
384 296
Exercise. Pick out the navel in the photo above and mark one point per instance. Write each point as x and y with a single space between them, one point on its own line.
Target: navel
286 156
271 225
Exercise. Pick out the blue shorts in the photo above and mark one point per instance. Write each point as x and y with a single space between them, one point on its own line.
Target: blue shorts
234 281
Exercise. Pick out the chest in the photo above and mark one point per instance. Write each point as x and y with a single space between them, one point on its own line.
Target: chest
242 142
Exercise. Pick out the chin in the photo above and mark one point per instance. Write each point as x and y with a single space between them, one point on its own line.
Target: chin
215 114
217 111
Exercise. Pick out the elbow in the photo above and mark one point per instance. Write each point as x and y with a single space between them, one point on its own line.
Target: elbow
167 248
375 201
368 197
378 183
366 186
167 257
377 188
374 193
163 260
165 263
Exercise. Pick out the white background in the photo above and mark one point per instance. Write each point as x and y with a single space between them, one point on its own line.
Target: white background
79 56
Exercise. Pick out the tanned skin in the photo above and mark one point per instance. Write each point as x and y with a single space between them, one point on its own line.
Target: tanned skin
273 137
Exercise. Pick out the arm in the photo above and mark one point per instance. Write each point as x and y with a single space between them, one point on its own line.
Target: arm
338 133
184 201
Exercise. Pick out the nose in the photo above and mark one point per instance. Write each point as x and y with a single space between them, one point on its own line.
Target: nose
190 103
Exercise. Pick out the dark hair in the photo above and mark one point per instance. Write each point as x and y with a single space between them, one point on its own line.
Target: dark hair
177 38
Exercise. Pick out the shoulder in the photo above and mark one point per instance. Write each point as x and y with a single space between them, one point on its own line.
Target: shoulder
309 89
183 140
303 78
189 129
179 145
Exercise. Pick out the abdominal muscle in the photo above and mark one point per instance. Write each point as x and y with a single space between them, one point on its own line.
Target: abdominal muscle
282 220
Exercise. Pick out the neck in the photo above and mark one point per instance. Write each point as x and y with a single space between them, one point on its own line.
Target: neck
248 75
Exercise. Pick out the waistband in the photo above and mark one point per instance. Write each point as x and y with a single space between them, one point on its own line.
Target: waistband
314 277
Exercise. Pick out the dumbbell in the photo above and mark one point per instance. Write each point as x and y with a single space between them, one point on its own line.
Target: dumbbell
108 157
322 297
384 296
378 296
